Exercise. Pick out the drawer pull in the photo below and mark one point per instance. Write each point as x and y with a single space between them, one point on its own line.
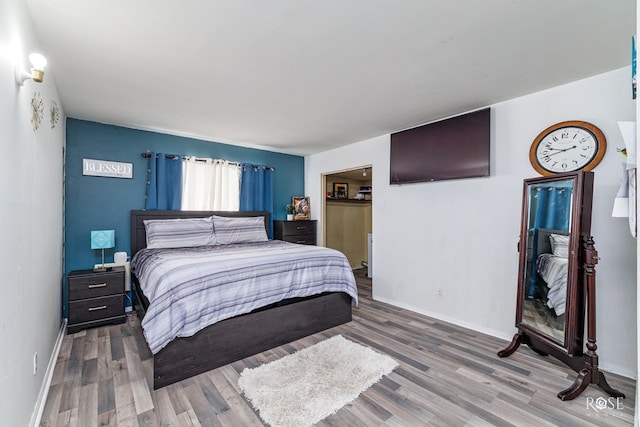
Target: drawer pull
301 241
102 307
97 285
301 227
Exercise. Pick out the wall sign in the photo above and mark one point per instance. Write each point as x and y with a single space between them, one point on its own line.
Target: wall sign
106 168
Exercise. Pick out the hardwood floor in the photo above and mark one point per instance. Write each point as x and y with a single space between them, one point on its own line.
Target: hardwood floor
448 376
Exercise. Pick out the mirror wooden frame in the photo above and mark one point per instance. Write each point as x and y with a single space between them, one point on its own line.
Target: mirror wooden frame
582 258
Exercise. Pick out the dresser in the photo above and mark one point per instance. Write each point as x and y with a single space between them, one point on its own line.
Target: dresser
302 232
95 298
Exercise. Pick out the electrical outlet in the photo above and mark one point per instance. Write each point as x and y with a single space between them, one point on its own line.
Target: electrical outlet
440 293
35 363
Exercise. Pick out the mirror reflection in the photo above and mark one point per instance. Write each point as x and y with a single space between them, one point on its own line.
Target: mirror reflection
547 245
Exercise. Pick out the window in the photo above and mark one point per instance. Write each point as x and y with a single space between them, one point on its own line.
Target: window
209 184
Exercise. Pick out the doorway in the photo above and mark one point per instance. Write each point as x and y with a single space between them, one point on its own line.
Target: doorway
348 215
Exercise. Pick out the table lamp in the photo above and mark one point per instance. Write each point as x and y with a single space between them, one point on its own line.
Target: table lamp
103 239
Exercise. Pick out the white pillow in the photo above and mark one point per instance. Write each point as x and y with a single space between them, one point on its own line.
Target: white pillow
559 245
179 233
230 230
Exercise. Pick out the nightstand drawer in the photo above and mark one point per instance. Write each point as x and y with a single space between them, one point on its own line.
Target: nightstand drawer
309 239
297 228
94 285
96 308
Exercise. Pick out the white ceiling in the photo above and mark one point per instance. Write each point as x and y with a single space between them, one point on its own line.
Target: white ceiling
304 76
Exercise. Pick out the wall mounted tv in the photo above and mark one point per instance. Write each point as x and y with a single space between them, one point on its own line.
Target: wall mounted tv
453 148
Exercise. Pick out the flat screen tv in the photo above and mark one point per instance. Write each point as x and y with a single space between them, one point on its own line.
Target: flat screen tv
453 148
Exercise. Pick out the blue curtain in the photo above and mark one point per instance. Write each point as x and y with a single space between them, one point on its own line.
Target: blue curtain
549 207
256 189
164 184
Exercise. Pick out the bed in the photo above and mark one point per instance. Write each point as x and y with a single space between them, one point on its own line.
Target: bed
233 338
552 267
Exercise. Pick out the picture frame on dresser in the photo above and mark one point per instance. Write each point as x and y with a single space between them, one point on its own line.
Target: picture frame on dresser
301 208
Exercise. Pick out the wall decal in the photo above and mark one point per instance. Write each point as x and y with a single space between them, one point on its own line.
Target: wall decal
55 114
37 110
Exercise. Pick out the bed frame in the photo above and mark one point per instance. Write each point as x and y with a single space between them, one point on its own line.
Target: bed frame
241 336
544 244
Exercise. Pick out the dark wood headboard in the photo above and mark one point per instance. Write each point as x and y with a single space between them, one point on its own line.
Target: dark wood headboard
544 244
139 235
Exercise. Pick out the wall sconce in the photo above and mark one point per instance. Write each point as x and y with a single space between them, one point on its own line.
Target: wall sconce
37 72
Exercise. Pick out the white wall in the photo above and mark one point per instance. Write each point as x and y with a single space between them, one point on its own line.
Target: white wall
637 411
30 222
461 235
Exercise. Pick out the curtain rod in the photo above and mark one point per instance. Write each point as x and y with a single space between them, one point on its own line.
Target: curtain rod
147 155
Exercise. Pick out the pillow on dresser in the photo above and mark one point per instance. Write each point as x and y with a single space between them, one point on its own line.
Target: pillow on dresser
230 230
179 233
559 245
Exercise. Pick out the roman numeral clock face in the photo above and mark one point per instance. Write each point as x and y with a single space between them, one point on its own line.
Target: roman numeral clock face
567 147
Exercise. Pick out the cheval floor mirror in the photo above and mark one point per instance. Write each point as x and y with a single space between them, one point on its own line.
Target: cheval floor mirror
557 277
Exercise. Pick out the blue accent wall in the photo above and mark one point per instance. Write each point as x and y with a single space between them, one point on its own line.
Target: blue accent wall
100 203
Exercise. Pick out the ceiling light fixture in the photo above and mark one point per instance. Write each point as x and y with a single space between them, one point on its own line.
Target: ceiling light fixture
364 172
38 63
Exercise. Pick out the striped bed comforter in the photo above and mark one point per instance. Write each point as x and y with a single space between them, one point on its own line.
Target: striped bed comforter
554 269
191 288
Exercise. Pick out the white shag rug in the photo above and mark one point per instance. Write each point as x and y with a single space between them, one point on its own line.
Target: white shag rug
305 387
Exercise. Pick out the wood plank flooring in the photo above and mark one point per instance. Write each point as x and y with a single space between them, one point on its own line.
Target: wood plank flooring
448 376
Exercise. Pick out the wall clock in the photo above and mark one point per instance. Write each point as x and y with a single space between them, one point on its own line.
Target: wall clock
567 147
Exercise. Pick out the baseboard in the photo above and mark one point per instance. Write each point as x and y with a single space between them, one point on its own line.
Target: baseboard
614 369
36 416
618 370
487 331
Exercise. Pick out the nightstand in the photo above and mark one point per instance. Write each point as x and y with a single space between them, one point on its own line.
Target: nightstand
303 232
95 298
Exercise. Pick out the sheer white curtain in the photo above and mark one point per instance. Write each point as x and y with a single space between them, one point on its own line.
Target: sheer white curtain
209 184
